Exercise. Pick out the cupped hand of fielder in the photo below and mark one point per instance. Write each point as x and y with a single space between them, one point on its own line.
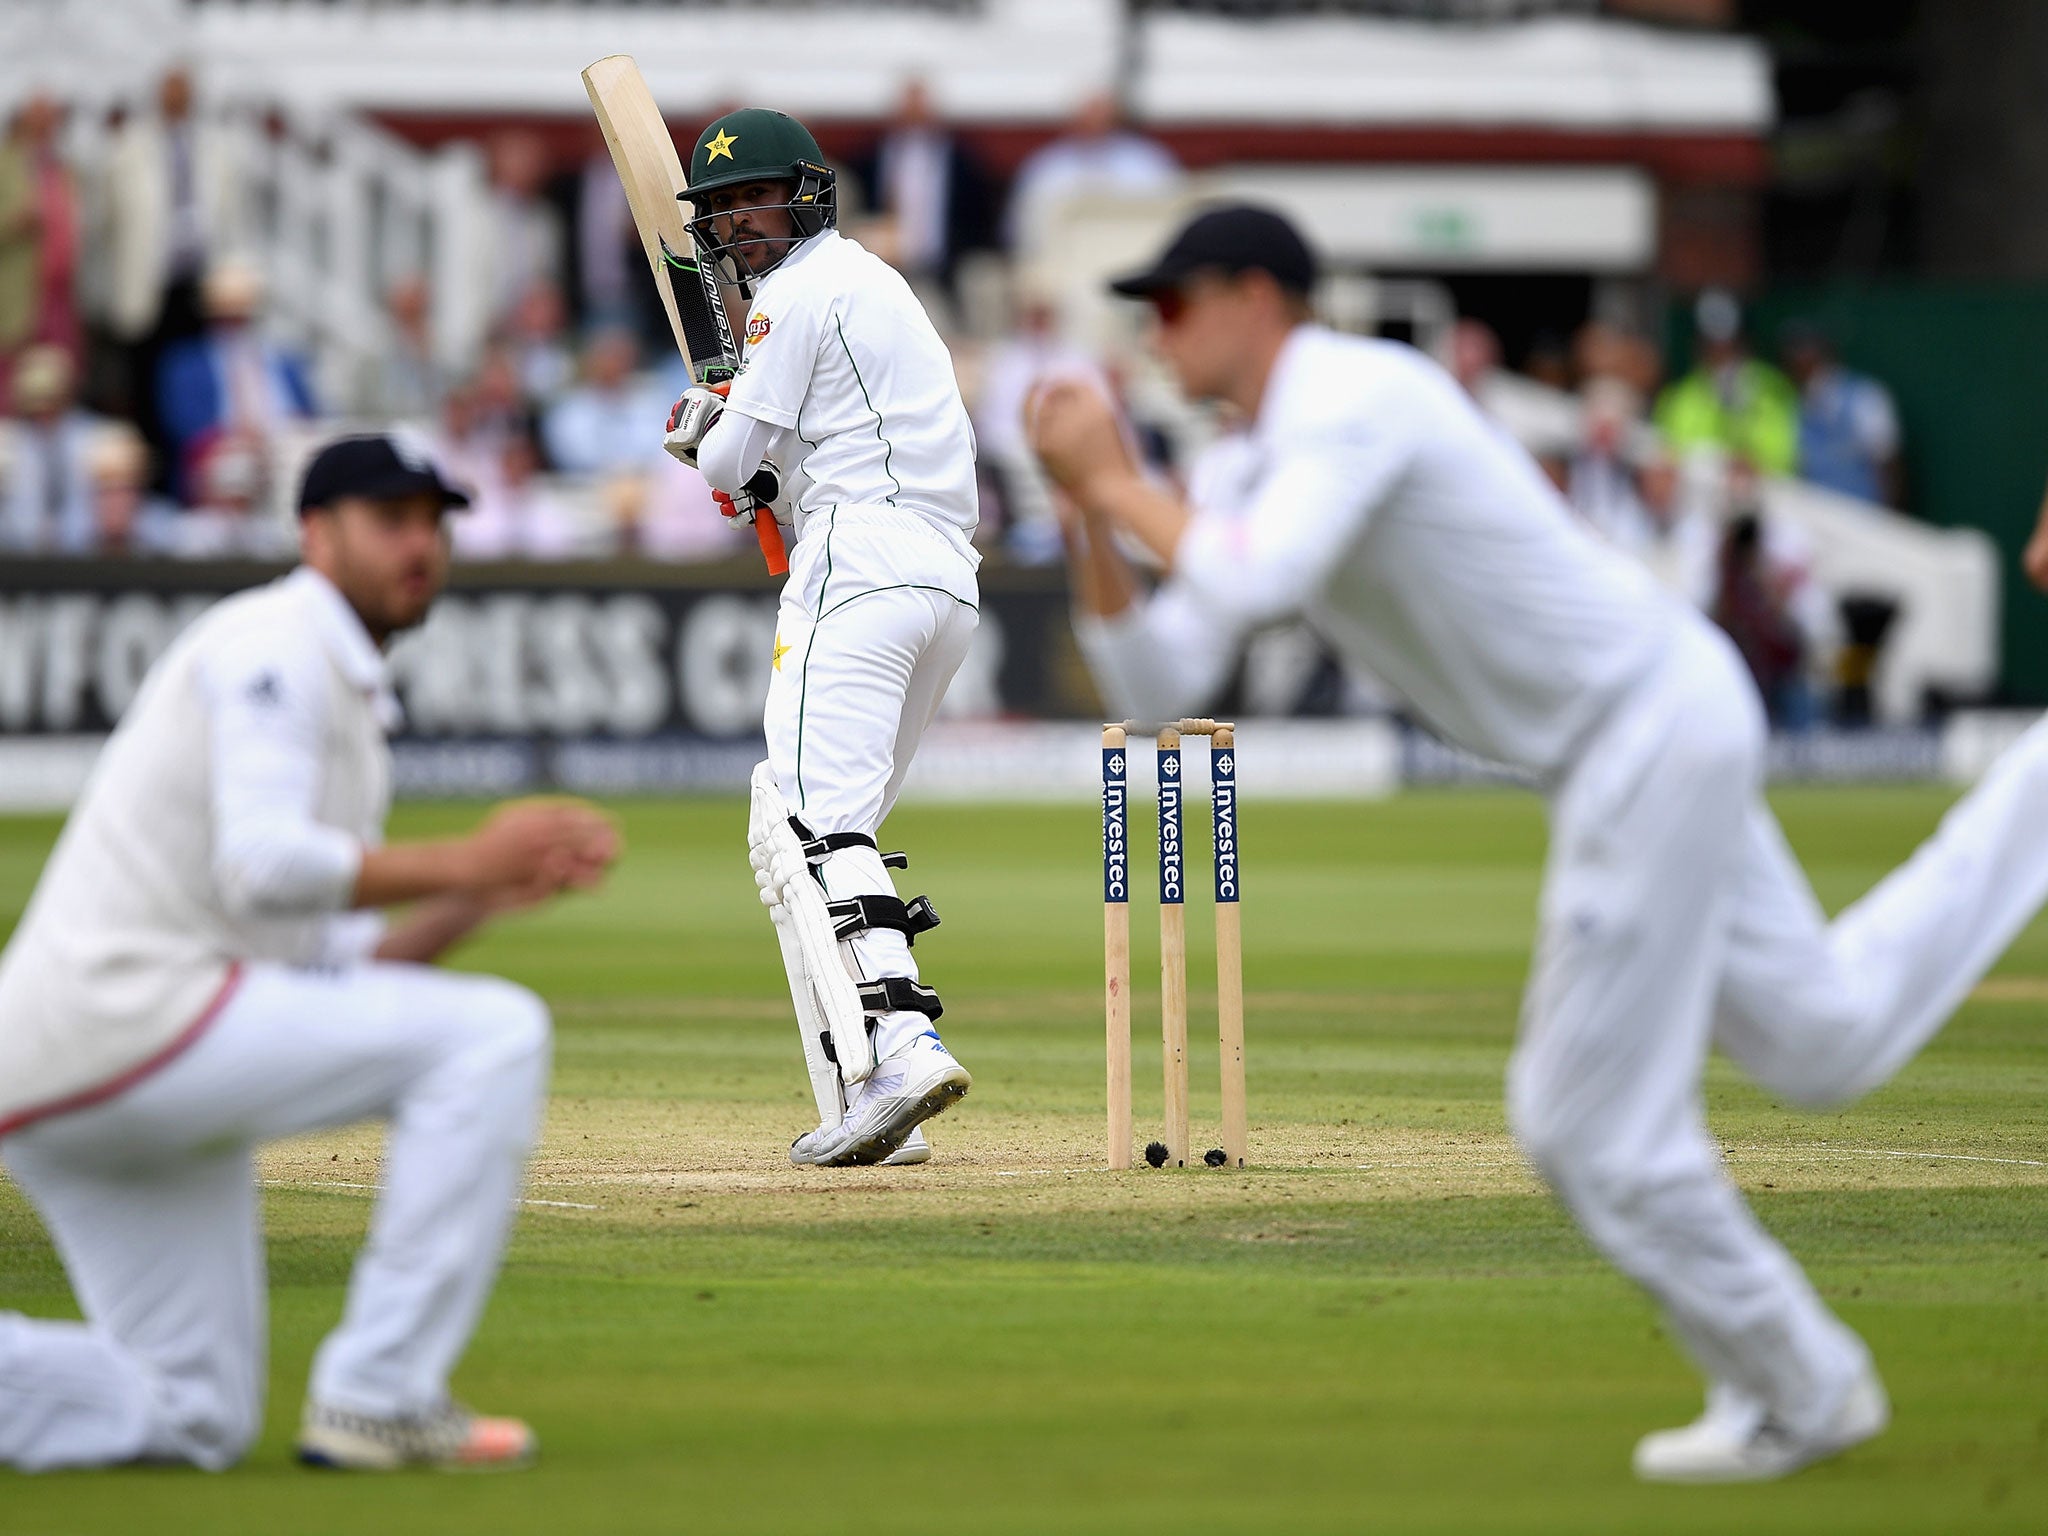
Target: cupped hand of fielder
1075 433
527 849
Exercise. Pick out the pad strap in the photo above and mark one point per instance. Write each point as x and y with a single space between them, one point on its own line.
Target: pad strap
816 848
899 994
857 914
832 1051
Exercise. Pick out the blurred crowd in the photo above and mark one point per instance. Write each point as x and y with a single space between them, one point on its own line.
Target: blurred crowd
148 409
140 397
1672 469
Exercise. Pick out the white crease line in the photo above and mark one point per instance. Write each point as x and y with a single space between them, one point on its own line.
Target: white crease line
1452 1163
560 1205
1948 1157
1007 1173
1825 1151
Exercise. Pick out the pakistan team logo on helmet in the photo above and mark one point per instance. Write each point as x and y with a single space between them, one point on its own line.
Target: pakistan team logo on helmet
751 147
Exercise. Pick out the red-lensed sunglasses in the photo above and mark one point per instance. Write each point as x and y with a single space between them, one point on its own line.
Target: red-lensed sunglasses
1169 304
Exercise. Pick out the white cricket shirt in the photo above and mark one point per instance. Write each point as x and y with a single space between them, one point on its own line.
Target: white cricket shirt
224 822
1372 498
840 359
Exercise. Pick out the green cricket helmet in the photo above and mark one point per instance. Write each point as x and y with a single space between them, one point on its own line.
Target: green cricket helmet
751 145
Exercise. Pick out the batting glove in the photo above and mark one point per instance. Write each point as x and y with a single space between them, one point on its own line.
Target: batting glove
748 503
692 416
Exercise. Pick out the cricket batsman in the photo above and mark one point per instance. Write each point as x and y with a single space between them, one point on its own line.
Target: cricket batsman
203 968
1367 493
845 388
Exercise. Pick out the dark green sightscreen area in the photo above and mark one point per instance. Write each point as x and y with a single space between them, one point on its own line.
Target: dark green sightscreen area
1968 364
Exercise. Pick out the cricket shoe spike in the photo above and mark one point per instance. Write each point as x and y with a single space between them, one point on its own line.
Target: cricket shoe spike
1736 1441
903 1092
805 1150
451 1437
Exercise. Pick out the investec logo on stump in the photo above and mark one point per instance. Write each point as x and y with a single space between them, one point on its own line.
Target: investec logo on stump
1116 872
1223 786
1170 884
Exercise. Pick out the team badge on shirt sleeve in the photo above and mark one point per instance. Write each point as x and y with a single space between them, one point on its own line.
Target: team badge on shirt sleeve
757 329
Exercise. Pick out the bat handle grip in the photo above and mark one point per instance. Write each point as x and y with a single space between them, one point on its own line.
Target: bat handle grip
769 532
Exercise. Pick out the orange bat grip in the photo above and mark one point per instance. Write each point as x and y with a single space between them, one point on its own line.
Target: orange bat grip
773 550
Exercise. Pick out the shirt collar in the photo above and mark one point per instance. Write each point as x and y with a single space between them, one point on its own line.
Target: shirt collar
348 642
803 249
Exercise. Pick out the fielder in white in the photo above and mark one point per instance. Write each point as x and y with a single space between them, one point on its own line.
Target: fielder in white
202 969
847 395
1366 493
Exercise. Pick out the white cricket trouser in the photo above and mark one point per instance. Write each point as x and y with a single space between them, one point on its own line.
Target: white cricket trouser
151 1200
1674 917
877 615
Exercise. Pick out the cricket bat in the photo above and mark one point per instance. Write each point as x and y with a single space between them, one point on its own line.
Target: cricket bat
652 173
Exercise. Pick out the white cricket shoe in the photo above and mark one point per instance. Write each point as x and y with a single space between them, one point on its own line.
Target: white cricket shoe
915 1149
805 1150
1737 1440
902 1093
451 1437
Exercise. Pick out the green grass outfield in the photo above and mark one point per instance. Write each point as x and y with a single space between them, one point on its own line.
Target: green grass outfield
1385 1326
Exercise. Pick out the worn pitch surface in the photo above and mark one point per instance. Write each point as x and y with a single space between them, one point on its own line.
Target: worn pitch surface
1386 1325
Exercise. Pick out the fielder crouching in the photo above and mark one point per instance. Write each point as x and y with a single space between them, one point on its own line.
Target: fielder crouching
201 969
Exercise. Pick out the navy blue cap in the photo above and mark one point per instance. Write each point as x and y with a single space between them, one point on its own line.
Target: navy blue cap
1237 237
377 467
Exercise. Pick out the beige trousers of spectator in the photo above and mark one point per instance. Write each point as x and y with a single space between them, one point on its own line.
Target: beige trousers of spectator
1674 918
152 1202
